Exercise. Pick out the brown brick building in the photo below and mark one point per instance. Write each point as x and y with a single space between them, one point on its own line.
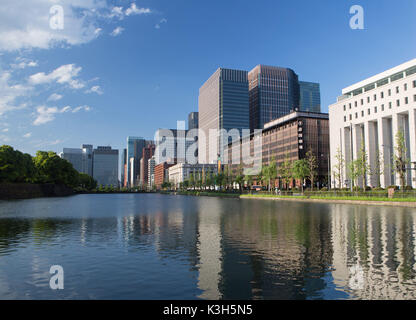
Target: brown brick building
161 174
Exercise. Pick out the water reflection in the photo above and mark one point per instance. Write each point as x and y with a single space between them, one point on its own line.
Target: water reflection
173 247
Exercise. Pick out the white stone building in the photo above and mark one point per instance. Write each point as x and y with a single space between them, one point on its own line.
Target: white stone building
372 111
182 171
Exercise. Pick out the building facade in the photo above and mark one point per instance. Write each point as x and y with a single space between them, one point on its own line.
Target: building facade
274 92
193 121
105 168
289 137
151 172
368 116
80 158
147 153
310 96
162 174
182 171
135 147
223 103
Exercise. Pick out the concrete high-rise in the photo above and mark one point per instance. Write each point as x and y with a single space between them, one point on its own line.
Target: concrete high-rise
147 153
274 92
310 96
105 169
368 115
223 104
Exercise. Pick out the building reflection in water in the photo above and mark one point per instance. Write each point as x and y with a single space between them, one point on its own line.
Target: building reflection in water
221 249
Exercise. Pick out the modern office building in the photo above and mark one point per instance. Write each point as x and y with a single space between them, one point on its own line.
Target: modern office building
80 158
172 145
147 153
274 92
135 147
368 115
310 96
291 136
182 171
162 174
123 175
193 121
105 168
151 172
223 103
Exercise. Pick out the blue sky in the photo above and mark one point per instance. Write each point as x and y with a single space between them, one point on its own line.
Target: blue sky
90 83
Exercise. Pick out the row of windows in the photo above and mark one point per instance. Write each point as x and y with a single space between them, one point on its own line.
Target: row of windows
406 101
397 90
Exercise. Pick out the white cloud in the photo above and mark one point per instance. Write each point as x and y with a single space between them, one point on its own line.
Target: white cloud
63 75
26 24
5 130
11 93
27 135
135 10
117 31
157 26
95 89
80 108
22 63
55 97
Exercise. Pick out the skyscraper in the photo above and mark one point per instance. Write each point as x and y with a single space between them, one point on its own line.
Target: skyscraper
124 167
80 158
310 96
147 153
274 92
193 121
135 147
105 167
223 104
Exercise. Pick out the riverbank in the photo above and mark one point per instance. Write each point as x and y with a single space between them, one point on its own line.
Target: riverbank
15 191
395 202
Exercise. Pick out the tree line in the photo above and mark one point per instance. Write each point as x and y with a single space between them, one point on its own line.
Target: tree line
228 179
45 167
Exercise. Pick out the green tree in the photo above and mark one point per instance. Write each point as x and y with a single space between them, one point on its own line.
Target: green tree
286 170
85 181
312 166
15 166
400 158
354 170
300 170
339 168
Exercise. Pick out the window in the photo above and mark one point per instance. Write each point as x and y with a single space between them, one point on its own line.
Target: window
355 103
368 111
350 116
356 115
414 97
398 102
414 83
382 107
405 87
349 105
397 89
362 113
390 105
368 99
382 94
345 108
362 101
345 118
375 109
375 97
406 100
389 92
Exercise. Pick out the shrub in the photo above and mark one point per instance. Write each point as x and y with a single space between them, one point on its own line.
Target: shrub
408 188
393 187
324 189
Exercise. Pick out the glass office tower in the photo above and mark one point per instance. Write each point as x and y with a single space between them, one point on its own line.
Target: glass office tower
223 103
274 92
135 147
310 96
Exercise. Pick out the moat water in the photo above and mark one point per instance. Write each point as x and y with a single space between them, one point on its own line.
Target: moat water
152 246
